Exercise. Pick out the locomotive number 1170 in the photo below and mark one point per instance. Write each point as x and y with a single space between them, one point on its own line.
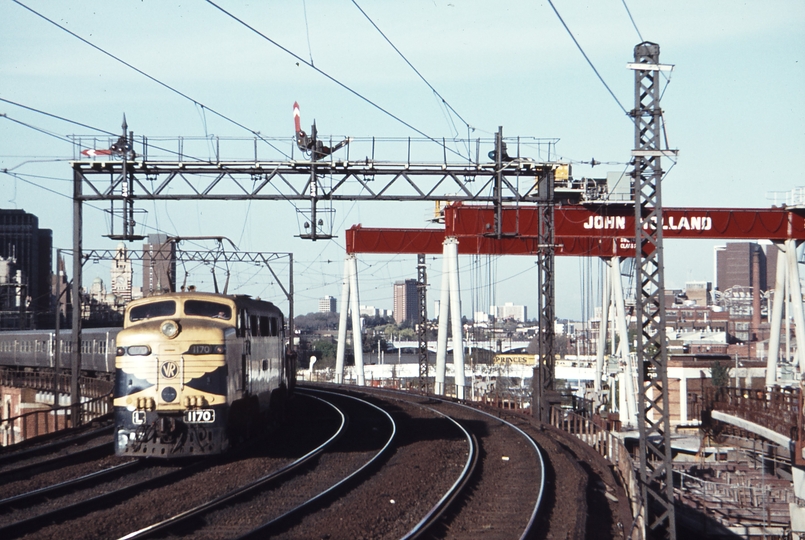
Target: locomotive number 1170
199 416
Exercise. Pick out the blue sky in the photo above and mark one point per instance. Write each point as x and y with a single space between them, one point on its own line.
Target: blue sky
734 108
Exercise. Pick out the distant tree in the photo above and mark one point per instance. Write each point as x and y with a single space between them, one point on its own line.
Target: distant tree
324 350
720 375
316 321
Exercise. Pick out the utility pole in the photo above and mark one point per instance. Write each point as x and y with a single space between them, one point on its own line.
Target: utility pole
656 474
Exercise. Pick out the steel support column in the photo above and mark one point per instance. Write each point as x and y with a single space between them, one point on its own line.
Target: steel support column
422 328
75 353
656 475
543 380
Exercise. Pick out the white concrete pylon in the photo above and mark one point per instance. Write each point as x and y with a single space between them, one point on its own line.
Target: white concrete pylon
350 301
450 304
627 406
441 337
780 297
455 309
603 332
357 341
796 298
342 324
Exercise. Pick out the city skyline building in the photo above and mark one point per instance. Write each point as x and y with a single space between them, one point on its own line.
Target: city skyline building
508 311
734 265
327 304
405 301
159 265
121 276
26 249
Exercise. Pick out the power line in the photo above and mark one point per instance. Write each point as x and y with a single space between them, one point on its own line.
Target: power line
611 93
57 117
412 66
633 23
333 79
40 130
39 111
143 73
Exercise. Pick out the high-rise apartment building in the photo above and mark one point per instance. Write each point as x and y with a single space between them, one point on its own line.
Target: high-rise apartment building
508 311
405 301
734 265
327 304
27 249
159 265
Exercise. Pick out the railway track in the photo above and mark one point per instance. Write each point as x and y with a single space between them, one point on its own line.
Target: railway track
440 470
499 497
187 521
151 488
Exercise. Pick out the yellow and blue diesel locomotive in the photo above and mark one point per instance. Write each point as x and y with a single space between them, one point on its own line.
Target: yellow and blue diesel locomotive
196 371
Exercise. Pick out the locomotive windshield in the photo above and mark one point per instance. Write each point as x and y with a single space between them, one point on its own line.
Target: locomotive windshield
203 308
165 308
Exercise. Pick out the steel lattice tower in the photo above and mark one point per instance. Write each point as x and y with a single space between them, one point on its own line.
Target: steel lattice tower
546 297
656 475
422 327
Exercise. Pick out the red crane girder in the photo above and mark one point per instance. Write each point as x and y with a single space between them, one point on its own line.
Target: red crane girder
618 222
429 241
581 231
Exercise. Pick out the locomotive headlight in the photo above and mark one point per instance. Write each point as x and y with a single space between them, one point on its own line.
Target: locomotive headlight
170 329
120 351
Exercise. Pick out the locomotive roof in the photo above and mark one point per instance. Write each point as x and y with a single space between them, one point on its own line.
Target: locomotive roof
241 300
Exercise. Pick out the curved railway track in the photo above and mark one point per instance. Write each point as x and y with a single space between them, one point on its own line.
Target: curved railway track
184 522
400 466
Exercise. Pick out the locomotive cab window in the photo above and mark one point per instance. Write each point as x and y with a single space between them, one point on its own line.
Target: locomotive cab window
203 308
165 308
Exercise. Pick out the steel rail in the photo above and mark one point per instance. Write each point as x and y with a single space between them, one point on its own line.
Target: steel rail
147 532
94 503
264 529
527 531
438 510
17 455
74 482
527 437
58 461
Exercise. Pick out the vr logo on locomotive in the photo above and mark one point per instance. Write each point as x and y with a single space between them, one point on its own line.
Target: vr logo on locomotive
169 369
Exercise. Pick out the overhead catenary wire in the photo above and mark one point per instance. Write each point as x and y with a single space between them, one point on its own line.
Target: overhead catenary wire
40 130
152 78
57 117
100 130
328 76
600 78
632 19
444 101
